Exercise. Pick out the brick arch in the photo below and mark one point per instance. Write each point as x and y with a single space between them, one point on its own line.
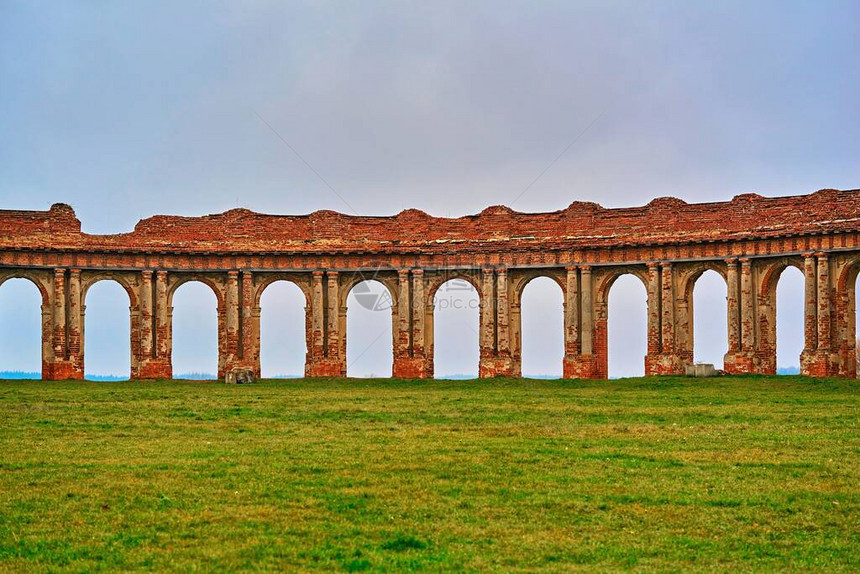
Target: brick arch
690 274
386 280
437 282
89 280
304 287
847 277
179 281
771 274
32 278
605 283
522 280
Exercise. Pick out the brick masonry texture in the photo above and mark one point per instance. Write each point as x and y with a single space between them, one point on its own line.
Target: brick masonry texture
667 244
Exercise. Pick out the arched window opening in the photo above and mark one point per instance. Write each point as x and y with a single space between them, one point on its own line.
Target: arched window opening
542 319
282 331
628 327
710 319
20 330
107 341
369 351
195 332
456 318
789 321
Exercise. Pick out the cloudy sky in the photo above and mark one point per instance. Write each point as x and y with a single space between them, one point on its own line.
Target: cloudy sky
129 109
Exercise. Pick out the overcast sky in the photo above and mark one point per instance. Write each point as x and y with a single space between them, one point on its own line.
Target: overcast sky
129 109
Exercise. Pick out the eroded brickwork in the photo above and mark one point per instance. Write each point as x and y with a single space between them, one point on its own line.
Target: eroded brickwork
666 244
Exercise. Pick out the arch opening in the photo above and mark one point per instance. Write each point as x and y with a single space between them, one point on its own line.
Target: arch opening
710 319
627 327
369 340
456 320
20 330
542 331
789 320
107 332
283 346
195 332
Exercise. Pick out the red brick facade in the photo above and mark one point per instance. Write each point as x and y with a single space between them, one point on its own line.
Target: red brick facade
667 244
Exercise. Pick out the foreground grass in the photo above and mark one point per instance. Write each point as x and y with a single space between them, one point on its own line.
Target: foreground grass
741 473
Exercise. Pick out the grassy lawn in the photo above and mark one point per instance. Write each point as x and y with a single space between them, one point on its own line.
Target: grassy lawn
736 473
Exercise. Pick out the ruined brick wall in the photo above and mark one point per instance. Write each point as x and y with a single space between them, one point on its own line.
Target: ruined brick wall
666 243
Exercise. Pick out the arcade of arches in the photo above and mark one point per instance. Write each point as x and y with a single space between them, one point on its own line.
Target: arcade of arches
584 248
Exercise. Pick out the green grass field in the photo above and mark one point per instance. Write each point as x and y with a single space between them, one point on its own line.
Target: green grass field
739 473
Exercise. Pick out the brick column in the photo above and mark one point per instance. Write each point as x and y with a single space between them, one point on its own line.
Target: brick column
824 332
654 296
59 327
667 308
503 334
410 361
732 305
744 359
249 339
667 360
325 359
587 310
403 346
160 366
494 338
488 305
47 340
589 358
571 322
810 303
74 317
230 345
747 316
418 311
333 315
317 310
146 316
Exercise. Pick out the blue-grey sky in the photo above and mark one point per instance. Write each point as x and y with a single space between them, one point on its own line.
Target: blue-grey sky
129 109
